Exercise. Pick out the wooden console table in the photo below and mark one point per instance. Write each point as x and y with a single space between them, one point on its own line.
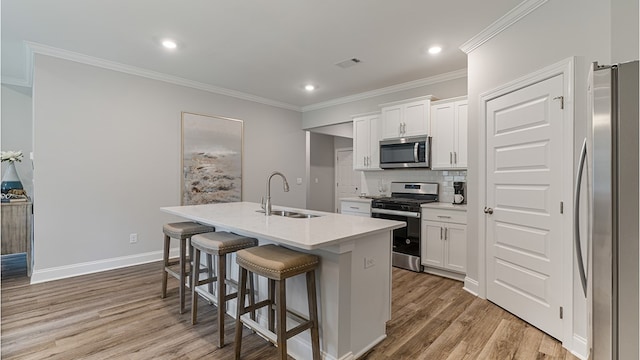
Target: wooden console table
16 229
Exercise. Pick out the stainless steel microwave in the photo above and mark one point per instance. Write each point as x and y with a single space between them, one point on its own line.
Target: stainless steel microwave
402 153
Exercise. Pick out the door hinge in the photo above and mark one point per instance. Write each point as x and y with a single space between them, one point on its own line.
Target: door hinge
561 207
561 312
561 98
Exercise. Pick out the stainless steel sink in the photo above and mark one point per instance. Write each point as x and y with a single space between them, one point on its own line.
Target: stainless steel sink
290 214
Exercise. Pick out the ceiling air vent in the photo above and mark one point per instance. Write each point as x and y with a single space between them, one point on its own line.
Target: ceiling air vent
348 63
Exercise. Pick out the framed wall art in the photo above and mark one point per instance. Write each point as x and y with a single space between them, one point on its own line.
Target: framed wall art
211 159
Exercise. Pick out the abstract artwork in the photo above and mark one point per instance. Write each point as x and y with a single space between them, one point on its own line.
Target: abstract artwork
211 159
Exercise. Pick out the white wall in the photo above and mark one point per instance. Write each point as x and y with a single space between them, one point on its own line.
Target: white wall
107 157
555 31
342 113
17 130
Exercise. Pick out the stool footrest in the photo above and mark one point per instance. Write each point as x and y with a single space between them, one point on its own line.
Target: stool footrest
259 329
175 273
271 336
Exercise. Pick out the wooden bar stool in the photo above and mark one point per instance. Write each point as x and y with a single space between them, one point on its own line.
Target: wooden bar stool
217 244
278 263
182 231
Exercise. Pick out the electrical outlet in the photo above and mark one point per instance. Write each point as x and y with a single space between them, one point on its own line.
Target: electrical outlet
133 238
369 262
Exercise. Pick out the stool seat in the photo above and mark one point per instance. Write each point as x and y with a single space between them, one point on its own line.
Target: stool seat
182 230
221 243
276 262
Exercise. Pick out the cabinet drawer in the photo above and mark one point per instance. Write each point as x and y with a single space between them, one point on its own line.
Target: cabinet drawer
355 206
453 216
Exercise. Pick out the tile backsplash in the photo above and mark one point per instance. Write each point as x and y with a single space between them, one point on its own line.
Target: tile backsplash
371 181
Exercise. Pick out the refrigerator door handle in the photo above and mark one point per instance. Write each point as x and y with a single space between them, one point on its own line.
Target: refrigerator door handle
576 217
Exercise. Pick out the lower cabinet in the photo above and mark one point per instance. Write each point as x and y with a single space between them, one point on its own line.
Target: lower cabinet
444 240
353 207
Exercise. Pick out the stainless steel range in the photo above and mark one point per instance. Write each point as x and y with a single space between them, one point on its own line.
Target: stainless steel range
404 205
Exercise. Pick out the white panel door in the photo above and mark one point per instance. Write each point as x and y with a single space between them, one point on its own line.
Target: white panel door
361 140
432 246
461 133
524 175
391 121
416 118
443 126
456 247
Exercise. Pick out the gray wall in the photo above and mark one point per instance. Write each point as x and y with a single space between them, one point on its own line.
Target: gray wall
107 157
321 175
17 130
342 113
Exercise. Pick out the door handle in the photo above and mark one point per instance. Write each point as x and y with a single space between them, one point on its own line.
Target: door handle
450 157
488 210
445 233
440 232
576 218
455 157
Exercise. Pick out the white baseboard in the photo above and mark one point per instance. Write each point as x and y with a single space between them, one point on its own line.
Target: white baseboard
471 286
67 271
580 348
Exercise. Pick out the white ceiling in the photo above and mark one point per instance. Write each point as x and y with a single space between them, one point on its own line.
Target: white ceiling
268 49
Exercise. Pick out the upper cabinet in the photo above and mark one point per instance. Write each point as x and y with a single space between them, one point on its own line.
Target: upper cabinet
449 131
366 155
406 118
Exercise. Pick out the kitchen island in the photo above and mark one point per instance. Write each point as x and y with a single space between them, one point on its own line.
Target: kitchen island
354 280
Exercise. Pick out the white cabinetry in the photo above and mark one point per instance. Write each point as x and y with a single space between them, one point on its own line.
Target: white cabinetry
406 118
366 155
444 242
355 207
449 131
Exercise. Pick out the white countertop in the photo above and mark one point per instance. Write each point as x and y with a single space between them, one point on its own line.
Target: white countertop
445 205
314 233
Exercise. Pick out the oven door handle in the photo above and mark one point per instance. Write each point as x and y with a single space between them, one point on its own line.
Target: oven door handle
415 215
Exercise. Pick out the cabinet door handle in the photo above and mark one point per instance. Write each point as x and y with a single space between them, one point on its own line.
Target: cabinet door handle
450 157
440 232
445 233
400 128
455 157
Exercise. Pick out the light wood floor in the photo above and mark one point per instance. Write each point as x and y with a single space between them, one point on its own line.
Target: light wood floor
119 315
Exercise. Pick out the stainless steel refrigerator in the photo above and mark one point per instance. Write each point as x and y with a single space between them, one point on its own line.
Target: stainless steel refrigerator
609 163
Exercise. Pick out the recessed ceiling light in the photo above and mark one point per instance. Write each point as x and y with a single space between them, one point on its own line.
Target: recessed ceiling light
169 44
434 50
309 87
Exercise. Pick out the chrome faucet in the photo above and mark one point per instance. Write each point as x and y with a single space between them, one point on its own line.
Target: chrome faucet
266 201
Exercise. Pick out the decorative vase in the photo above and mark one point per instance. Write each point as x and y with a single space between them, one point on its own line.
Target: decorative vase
10 179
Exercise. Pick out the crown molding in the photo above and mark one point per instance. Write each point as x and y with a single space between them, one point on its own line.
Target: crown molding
27 79
9 80
389 89
500 25
150 74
